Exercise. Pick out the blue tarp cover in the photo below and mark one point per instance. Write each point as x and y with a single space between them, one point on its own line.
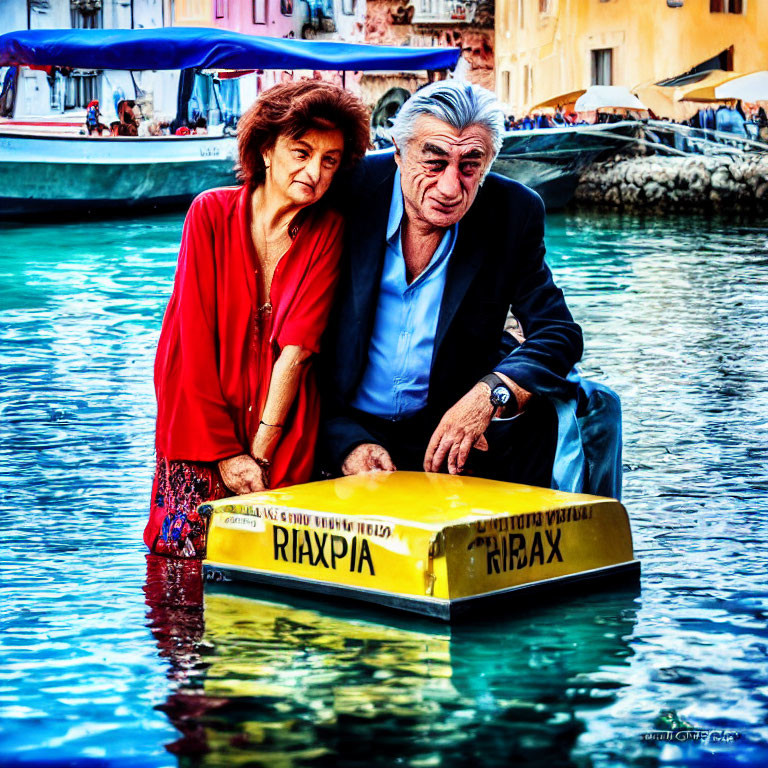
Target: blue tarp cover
193 47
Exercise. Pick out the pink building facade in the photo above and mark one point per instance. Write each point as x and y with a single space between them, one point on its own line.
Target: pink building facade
271 18
308 19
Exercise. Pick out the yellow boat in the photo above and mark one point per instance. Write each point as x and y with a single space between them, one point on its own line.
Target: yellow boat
434 544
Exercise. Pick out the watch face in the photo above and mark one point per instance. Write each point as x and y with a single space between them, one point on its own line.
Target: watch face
500 396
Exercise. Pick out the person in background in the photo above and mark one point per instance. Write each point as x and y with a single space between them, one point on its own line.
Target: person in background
762 124
237 406
201 126
93 122
729 119
150 128
126 123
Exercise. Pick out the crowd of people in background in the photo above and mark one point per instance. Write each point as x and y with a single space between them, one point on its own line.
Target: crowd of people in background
747 121
560 119
750 122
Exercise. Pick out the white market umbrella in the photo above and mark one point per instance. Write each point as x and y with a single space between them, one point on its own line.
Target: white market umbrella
750 88
608 96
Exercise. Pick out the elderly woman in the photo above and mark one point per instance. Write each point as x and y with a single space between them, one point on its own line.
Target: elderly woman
236 399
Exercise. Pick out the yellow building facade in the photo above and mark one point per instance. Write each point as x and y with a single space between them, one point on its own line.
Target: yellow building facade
548 47
190 13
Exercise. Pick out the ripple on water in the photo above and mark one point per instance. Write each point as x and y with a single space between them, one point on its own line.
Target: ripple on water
111 658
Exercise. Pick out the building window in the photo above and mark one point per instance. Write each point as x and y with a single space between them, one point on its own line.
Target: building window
602 66
197 12
80 89
286 8
218 8
259 11
85 14
521 13
726 6
527 85
348 7
544 6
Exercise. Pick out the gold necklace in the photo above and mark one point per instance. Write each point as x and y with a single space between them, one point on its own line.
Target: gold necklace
292 230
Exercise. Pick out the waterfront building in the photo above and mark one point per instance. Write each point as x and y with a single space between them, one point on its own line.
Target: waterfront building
82 14
468 24
550 47
307 19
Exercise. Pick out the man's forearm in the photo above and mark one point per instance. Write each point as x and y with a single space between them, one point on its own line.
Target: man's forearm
539 372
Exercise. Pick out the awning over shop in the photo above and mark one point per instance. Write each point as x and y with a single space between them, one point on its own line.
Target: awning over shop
751 88
673 102
704 90
559 101
203 48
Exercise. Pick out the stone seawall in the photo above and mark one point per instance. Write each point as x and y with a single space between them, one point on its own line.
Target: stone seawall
677 183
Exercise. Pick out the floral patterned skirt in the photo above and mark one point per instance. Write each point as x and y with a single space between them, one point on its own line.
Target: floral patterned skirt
175 527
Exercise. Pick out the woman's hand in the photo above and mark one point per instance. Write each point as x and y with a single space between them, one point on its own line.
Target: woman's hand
241 474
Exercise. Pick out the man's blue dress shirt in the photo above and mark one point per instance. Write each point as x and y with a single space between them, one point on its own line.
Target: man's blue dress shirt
396 380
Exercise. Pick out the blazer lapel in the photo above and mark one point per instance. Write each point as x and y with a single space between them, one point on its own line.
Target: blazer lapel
467 258
367 243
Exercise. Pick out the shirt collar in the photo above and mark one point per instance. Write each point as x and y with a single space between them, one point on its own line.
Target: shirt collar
396 209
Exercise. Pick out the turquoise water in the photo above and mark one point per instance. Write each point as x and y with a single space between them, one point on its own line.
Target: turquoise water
110 659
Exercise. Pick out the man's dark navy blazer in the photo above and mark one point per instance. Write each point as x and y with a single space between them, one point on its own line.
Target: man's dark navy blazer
498 262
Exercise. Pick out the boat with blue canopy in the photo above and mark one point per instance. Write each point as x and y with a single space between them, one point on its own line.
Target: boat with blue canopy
47 167
45 170
203 48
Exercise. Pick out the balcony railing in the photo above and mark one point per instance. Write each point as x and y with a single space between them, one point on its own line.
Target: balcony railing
442 12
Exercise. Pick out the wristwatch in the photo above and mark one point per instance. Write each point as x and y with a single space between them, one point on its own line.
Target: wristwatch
501 395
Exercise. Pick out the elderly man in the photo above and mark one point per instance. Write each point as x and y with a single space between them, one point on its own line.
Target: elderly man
419 373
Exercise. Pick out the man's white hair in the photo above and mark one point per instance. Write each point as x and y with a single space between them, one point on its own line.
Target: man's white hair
459 104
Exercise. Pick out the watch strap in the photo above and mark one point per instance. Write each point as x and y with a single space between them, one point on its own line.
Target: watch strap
493 380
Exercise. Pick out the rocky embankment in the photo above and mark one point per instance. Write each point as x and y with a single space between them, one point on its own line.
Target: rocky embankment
677 183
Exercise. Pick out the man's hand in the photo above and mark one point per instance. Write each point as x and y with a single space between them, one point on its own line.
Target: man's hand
368 457
459 430
241 474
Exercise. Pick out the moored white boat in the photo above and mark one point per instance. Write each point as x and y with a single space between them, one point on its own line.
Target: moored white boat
60 174
44 173
551 160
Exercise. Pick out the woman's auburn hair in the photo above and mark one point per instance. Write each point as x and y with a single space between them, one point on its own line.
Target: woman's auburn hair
292 109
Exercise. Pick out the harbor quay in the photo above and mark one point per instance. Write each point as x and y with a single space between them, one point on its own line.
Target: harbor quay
695 183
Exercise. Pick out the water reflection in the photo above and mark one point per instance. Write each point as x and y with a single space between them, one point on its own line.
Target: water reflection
674 312
260 677
174 596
